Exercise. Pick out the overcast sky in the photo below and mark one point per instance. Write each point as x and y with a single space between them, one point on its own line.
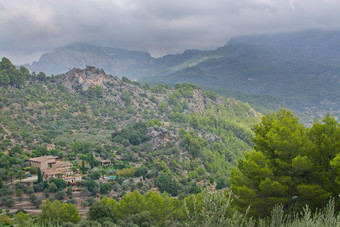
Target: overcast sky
29 28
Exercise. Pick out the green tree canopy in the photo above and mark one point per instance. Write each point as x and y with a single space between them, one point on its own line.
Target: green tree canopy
10 75
289 164
105 208
58 213
22 219
136 208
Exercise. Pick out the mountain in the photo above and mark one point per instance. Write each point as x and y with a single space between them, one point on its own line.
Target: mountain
188 134
119 143
298 70
302 69
79 55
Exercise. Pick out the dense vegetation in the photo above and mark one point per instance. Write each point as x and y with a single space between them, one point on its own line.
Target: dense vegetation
290 165
9 75
206 208
260 102
175 141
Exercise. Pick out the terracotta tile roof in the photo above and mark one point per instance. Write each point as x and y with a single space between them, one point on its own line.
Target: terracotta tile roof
54 171
42 159
72 177
51 171
62 164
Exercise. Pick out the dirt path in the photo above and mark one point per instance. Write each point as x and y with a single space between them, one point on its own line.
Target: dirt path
26 180
82 212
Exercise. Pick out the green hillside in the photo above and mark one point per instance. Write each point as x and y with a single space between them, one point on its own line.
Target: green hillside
185 132
157 156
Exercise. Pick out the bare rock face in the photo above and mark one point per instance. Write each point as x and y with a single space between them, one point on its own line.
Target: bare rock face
84 78
197 105
213 139
89 78
220 101
81 79
159 135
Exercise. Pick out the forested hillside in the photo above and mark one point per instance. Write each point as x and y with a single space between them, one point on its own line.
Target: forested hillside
183 135
129 142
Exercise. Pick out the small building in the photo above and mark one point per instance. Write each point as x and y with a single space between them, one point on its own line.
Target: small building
42 162
106 162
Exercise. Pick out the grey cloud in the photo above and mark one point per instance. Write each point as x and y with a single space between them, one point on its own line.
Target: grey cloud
30 27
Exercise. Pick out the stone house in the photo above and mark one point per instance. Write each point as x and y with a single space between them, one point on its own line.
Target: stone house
42 162
59 169
50 167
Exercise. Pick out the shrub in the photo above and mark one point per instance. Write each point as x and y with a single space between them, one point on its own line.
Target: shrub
126 172
6 221
105 188
166 183
59 195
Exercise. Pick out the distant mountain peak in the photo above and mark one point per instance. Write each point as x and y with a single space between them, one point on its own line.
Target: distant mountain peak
79 54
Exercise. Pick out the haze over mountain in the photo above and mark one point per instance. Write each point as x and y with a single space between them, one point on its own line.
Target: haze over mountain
300 69
78 55
30 28
169 113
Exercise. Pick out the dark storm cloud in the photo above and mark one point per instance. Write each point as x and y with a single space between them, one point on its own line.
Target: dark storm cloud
31 27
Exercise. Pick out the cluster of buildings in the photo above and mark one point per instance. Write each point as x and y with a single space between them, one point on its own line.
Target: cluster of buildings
51 167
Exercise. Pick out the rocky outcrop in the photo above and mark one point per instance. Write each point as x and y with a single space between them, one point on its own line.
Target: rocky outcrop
213 139
81 79
159 136
84 78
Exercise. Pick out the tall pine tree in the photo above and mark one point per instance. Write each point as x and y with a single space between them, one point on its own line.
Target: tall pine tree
91 161
83 166
40 179
289 164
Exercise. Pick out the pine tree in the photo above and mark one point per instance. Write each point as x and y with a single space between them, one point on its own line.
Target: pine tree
82 166
39 176
289 164
91 161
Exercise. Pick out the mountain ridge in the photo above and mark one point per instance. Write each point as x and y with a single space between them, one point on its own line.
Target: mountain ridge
80 54
302 68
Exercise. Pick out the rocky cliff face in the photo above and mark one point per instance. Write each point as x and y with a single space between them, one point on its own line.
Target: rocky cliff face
81 79
90 76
